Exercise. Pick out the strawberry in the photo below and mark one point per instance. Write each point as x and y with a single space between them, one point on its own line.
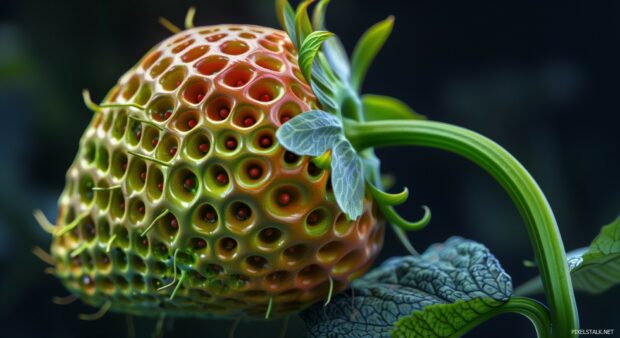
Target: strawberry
181 200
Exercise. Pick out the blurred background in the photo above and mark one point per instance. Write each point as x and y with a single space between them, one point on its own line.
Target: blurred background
540 78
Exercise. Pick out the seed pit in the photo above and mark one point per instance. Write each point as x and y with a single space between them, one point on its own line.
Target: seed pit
311 274
211 64
349 262
205 218
318 222
269 45
144 94
217 177
155 183
167 148
246 35
216 37
269 63
230 143
187 120
149 139
184 184
266 90
219 108
198 244
234 47
287 111
194 53
130 88
269 235
291 158
119 164
168 227
313 170
256 263
160 67
198 145
294 254
117 204
246 117
241 211
137 211
173 78
180 47
161 108
331 251
238 76
150 59
227 247
102 158
196 91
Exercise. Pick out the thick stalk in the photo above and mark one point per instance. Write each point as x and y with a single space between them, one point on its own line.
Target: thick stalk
524 191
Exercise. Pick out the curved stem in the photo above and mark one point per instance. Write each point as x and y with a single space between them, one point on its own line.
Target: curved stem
530 308
525 193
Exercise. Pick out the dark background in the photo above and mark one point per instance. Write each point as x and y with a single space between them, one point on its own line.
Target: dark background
540 78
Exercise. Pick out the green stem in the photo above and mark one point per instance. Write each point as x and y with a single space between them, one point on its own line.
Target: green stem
530 308
530 200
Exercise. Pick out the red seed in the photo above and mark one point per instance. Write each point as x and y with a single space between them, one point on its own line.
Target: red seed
265 97
284 119
265 141
290 157
141 209
138 134
199 97
143 176
160 186
178 83
255 172
122 206
240 83
224 113
167 114
231 144
284 199
200 243
313 218
203 147
248 121
124 166
174 223
189 183
210 216
145 241
191 123
242 213
221 178
154 141
173 151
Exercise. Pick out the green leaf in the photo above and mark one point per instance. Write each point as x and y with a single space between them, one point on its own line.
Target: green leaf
303 27
311 133
318 15
286 17
367 48
460 274
309 48
594 269
347 179
333 49
379 107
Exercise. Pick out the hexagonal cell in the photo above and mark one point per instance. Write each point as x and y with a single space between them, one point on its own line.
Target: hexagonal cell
102 160
85 189
155 183
140 243
135 132
119 164
211 65
137 209
181 47
197 145
103 230
120 124
194 53
239 216
89 151
168 227
287 111
173 78
160 67
342 226
102 261
247 35
108 118
227 248
270 45
195 91
266 90
216 37
149 139
268 62
184 184
228 142
253 173
294 254
291 160
311 275
277 280
150 59
117 204
270 238
205 219
331 251
122 237
160 251
187 120
130 87
239 75
88 230
102 197
234 47
256 263
167 148
144 95
161 108
246 116
198 244
218 108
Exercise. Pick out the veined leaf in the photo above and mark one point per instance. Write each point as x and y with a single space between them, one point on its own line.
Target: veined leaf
311 133
367 48
309 48
459 274
303 27
379 107
347 179
286 17
594 269
337 58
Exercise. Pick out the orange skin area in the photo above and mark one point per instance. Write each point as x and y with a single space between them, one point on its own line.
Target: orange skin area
243 220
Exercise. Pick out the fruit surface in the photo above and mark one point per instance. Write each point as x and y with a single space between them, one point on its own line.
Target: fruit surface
231 220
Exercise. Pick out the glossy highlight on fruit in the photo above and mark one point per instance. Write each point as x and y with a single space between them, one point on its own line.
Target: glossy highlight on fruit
184 201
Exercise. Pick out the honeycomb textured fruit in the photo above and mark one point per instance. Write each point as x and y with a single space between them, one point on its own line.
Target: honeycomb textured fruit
182 199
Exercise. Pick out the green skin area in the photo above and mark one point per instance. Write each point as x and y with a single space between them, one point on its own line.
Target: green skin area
289 254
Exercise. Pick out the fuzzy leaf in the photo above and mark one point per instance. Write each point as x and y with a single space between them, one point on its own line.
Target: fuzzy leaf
286 16
378 107
309 48
594 269
367 48
347 179
453 277
311 133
